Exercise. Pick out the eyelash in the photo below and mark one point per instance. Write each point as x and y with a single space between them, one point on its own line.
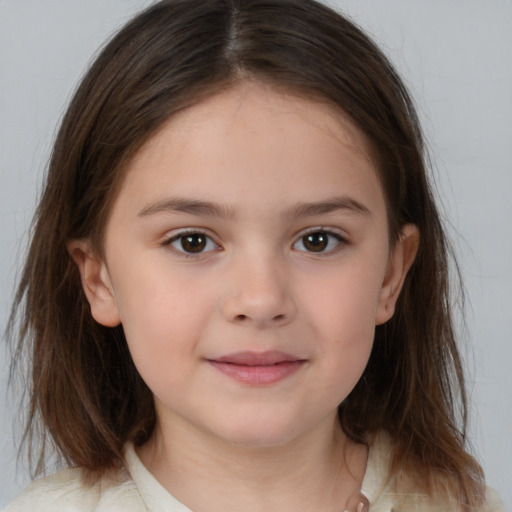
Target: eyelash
182 235
329 233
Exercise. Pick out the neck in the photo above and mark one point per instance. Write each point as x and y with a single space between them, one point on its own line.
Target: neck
317 471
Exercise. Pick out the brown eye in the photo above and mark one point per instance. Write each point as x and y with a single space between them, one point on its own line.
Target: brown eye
318 241
195 242
192 243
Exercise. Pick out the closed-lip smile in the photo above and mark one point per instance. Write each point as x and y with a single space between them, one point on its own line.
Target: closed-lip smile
258 368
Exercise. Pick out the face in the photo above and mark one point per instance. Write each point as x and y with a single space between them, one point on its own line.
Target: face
247 258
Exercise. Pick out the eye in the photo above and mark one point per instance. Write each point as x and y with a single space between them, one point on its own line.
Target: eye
318 242
192 242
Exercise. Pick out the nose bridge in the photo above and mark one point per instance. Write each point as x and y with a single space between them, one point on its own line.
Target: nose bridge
260 289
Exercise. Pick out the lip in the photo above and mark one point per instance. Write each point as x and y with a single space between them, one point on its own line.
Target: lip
258 368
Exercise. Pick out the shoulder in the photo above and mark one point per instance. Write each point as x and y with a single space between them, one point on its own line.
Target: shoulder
68 490
417 502
381 488
493 502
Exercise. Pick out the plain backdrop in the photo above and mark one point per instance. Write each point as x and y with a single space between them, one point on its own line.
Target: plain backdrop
456 57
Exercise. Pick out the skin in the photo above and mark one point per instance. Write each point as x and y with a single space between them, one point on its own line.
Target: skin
259 155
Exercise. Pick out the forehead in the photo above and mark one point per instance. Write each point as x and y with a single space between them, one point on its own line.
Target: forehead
251 104
254 143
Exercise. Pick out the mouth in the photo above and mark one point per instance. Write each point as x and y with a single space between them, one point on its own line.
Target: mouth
258 368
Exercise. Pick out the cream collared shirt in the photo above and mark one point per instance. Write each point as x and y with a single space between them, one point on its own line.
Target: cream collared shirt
134 489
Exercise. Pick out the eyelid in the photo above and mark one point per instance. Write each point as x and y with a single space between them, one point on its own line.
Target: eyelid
335 232
341 234
175 235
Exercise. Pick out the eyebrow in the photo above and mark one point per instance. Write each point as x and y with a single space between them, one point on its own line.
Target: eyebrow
211 209
190 206
331 205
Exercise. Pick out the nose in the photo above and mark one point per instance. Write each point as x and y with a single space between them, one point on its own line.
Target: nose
259 294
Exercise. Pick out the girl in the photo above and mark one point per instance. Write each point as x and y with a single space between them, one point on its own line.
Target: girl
236 296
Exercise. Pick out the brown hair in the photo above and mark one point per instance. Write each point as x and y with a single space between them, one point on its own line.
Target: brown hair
85 390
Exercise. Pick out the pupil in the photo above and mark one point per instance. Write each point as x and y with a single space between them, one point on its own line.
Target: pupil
316 242
193 243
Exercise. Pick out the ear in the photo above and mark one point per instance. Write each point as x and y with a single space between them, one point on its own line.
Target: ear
401 258
95 282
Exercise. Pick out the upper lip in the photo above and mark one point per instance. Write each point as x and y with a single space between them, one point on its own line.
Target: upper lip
250 358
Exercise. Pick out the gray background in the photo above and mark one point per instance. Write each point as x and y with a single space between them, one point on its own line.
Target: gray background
456 56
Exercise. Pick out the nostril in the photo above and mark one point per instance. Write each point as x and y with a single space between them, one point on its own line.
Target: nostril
240 318
279 317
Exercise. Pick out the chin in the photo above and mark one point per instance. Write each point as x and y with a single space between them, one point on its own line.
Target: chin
259 432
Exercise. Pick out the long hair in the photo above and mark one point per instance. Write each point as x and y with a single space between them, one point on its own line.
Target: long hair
84 389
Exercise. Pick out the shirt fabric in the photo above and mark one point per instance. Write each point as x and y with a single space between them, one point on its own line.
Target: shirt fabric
134 489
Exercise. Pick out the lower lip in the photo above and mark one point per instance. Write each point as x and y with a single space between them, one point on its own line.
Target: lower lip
258 375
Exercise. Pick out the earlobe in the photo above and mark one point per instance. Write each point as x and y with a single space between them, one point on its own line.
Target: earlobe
96 283
400 261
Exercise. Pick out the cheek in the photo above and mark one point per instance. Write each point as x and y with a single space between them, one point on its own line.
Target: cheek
345 356
343 315
343 304
162 317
